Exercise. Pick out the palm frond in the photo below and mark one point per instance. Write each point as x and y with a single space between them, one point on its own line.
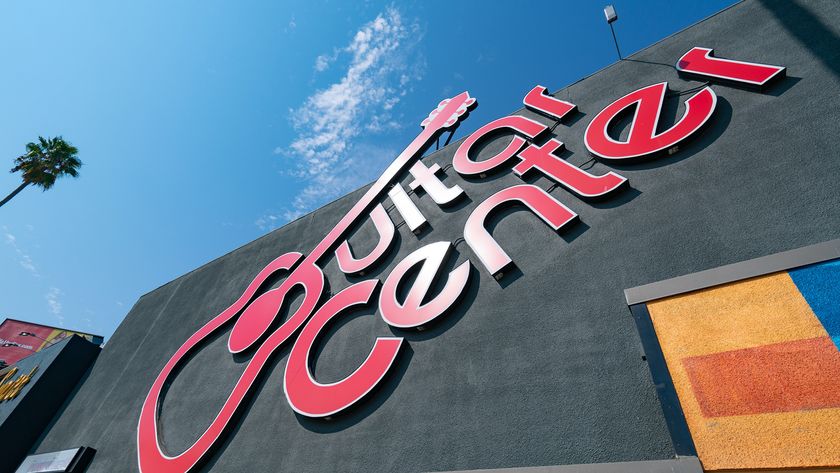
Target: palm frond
47 160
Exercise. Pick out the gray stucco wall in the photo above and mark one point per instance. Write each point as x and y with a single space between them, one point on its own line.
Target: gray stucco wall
544 368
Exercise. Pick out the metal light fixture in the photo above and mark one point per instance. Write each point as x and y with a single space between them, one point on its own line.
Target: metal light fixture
609 12
612 17
30 334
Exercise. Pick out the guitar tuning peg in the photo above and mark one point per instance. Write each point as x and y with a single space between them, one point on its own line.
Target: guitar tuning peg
460 111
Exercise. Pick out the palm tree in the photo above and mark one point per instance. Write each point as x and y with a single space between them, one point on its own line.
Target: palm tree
44 162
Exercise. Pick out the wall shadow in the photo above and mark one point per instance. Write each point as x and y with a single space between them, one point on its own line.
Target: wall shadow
809 30
511 274
780 87
617 199
60 412
572 119
574 231
458 205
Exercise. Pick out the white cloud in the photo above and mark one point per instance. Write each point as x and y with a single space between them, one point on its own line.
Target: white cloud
23 258
269 221
54 304
322 62
87 319
291 26
329 157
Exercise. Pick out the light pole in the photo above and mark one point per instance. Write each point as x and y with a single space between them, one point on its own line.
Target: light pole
612 16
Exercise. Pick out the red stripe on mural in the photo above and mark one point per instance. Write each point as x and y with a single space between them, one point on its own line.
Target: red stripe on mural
782 377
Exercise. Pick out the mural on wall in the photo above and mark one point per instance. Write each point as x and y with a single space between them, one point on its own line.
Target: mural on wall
532 149
20 339
756 366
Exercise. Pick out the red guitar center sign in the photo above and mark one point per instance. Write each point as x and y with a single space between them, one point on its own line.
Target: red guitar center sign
533 152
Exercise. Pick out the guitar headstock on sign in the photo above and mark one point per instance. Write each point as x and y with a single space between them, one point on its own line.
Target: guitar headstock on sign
465 103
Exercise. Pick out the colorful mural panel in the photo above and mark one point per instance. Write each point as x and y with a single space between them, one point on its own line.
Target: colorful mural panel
756 367
19 339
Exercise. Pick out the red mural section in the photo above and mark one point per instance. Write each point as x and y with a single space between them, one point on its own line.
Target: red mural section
781 377
20 339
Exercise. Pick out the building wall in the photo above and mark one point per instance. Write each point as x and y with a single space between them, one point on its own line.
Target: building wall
55 373
543 367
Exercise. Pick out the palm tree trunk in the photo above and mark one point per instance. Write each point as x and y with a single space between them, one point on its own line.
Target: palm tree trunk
14 193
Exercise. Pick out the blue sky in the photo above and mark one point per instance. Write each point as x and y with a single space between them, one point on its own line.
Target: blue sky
203 125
